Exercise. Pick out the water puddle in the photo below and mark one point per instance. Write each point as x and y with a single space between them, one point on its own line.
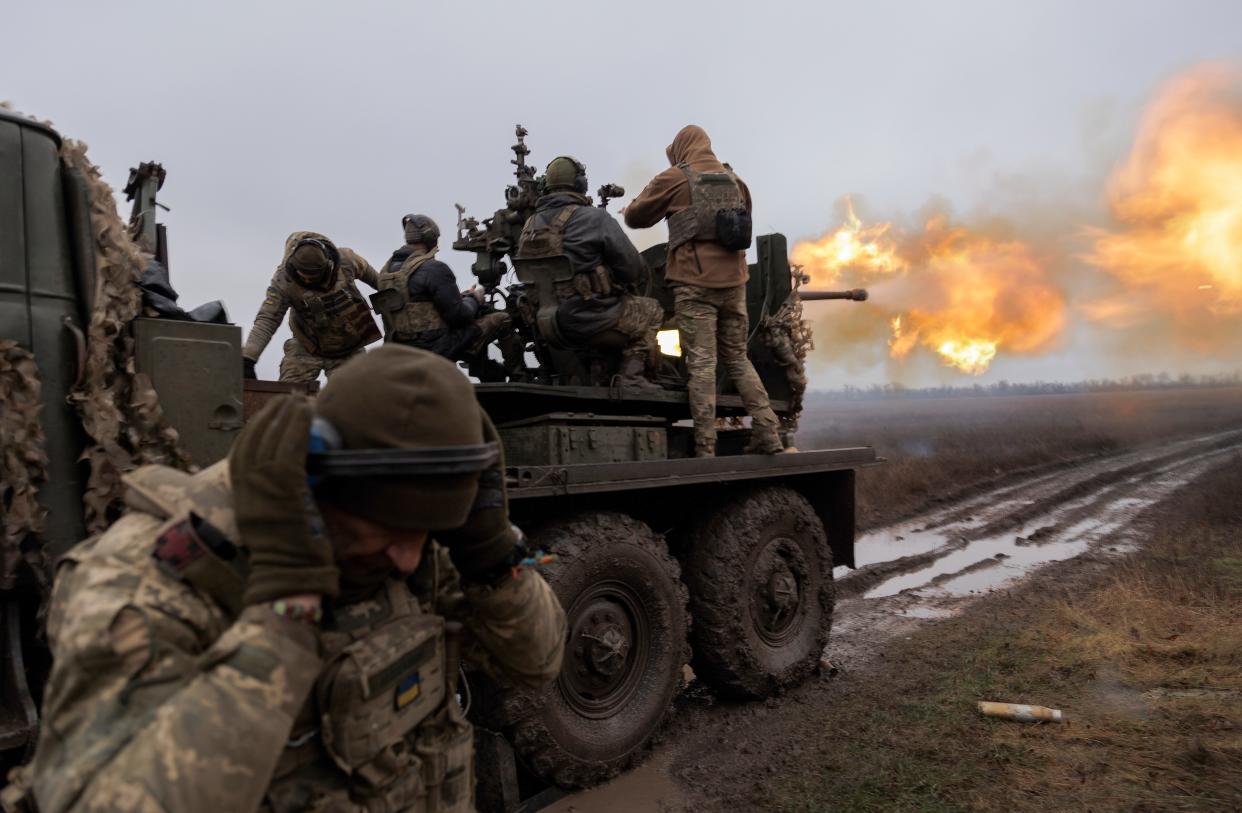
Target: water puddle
995 561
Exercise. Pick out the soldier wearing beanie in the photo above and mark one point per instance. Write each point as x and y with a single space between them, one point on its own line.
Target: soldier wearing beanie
282 630
422 307
605 263
331 322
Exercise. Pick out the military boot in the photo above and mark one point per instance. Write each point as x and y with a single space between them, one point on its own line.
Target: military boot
634 374
764 443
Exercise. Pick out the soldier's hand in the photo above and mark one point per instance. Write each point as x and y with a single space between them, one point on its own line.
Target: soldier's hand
276 515
476 292
485 547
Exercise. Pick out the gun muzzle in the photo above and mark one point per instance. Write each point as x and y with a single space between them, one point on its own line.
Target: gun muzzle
856 294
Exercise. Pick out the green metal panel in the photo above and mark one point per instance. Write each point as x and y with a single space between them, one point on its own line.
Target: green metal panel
196 371
14 301
38 295
569 438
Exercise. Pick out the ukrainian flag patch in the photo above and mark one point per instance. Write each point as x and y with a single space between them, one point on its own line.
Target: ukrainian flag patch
408 689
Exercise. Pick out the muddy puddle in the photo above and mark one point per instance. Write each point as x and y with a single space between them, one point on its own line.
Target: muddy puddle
952 556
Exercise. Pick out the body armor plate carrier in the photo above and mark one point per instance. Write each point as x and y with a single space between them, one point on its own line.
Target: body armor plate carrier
332 323
715 212
404 320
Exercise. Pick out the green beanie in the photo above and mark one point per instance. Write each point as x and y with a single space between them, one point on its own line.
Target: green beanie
398 397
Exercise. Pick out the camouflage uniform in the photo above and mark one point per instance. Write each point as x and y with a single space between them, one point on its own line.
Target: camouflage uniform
167 695
713 322
341 336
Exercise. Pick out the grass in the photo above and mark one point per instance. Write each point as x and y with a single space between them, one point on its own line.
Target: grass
1144 656
939 447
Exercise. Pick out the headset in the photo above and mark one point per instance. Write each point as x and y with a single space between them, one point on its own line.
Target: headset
326 457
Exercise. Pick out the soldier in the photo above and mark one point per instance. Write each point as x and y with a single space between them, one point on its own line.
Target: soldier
245 638
699 195
331 321
426 310
603 261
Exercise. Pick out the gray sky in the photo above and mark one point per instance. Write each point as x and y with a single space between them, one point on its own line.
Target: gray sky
276 116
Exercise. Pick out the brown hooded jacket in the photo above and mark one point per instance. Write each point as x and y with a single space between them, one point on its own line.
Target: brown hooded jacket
698 262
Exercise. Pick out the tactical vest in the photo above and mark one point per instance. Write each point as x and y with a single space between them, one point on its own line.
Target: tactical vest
405 320
334 322
382 730
716 212
548 241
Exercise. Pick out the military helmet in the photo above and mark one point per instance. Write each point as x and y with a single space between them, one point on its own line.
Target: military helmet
420 229
407 440
313 260
565 172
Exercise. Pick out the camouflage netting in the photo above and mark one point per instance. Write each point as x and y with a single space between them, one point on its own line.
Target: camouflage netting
118 406
788 336
23 465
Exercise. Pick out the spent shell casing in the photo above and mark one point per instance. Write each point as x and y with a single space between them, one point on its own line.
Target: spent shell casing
1021 712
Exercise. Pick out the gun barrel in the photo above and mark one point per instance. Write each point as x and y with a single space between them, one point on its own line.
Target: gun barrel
856 294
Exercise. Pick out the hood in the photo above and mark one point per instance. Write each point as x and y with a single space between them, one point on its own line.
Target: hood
690 144
556 200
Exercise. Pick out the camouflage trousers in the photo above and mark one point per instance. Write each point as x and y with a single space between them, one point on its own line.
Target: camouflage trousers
713 323
641 317
300 366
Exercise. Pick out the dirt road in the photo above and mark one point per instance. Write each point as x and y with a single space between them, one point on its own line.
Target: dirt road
932 566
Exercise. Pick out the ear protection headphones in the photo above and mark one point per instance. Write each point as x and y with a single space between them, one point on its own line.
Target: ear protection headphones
326 457
580 179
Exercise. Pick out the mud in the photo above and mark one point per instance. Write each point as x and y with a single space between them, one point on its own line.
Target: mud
931 567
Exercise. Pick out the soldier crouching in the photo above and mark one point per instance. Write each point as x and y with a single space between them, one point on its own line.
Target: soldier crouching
242 639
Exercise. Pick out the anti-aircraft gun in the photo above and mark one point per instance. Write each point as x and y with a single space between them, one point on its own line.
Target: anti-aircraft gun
604 477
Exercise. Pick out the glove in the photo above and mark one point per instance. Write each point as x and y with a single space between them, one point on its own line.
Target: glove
248 372
486 547
289 550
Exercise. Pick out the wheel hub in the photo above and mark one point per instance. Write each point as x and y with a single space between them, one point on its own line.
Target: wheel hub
602 659
776 594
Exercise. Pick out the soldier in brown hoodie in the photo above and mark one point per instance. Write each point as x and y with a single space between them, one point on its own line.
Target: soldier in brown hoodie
709 282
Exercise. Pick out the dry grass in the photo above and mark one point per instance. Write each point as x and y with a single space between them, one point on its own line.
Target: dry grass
1144 656
939 447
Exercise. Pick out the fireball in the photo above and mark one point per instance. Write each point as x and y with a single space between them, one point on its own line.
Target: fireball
1177 203
960 294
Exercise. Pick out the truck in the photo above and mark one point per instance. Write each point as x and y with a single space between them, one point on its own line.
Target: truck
669 567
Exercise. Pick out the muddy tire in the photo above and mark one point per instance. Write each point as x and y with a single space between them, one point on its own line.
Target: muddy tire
626 644
761 593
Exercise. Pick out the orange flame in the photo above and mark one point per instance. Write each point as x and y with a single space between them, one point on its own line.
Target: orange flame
852 247
962 295
1178 202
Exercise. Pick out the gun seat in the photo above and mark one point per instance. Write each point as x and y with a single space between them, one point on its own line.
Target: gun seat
544 273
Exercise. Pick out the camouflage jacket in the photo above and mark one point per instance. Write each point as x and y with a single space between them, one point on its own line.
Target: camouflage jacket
162 699
351 317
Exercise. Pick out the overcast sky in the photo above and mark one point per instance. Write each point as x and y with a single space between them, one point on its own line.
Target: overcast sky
276 116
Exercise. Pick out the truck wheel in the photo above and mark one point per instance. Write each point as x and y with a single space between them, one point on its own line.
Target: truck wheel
760 577
626 645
